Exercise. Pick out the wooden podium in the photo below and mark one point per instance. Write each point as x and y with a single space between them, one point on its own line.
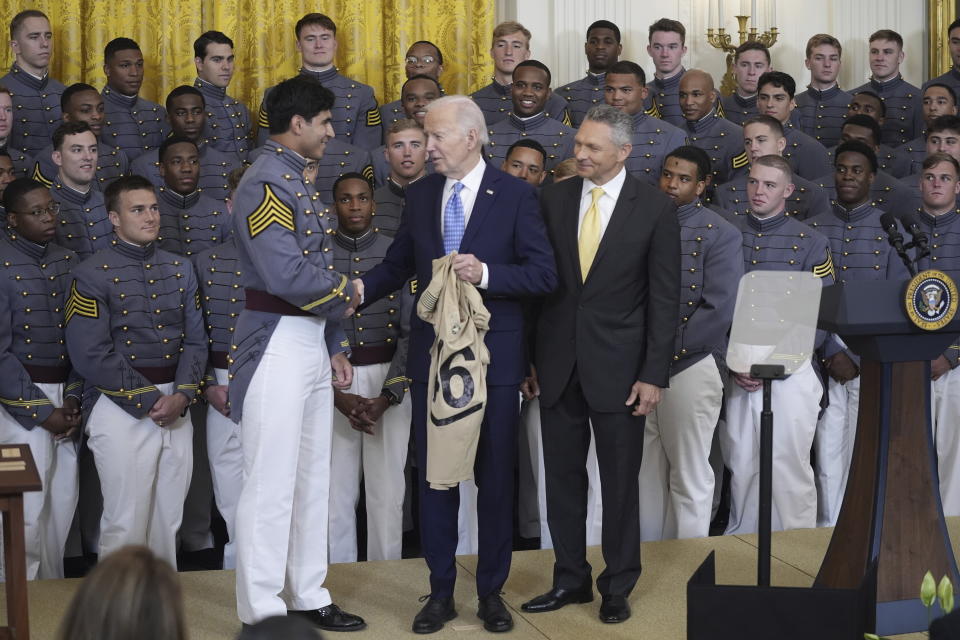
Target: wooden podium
18 474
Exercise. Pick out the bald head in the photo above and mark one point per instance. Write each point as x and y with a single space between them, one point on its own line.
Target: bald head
697 94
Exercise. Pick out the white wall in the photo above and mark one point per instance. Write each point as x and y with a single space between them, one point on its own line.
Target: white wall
559 27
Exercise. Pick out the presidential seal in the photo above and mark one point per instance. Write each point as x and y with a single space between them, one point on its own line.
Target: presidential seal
931 299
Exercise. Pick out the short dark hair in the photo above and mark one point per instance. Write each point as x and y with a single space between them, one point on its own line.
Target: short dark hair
863 120
317 19
419 76
953 25
69 129
72 90
209 37
693 154
626 67
529 143
855 146
537 65
169 142
4 154
21 17
761 118
950 90
123 184
119 44
934 159
780 80
883 106
16 190
298 96
183 90
887 34
666 24
944 123
350 175
751 45
605 24
435 48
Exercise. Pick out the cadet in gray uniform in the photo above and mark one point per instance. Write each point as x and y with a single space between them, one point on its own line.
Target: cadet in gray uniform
190 220
20 161
526 159
356 117
287 344
511 46
83 225
652 138
134 124
416 94
39 390
187 114
531 90
860 252
901 99
666 47
806 156
228 127
823 106
763 136
867 103
406 155
706 129
952 77
602 49
676 479
943 136
135 333
750 61
36 96
423 59
6 176
82 103
938 100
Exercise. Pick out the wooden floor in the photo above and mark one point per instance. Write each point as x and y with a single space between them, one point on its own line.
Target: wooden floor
385 593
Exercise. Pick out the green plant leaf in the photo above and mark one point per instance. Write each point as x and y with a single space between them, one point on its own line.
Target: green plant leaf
945 594
928 590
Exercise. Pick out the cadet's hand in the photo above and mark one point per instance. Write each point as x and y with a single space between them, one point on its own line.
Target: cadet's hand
841 368
530 387
939 367
745 382
342 371
168 408
71 407
644 398
372 410
347 403
216 395
468 268
60 422
354 295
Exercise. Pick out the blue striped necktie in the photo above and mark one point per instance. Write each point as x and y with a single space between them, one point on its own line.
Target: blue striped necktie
453 223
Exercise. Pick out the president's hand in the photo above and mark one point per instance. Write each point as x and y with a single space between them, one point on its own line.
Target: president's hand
342 371
356 297
644 398
468 268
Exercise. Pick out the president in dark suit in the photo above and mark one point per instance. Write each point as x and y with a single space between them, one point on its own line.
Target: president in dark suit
603 351
493 221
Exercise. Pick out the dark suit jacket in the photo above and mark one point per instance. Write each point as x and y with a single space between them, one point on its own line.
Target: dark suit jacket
506 232
618 326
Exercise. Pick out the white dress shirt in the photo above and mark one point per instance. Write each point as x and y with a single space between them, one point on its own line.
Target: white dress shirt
468 196
606 203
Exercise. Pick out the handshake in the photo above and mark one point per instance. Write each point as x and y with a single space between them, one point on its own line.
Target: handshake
355 298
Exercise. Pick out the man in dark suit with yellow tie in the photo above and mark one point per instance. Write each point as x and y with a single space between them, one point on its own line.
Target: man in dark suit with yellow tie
603 352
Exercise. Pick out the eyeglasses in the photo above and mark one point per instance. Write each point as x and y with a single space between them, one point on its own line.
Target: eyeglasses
53 211
424 59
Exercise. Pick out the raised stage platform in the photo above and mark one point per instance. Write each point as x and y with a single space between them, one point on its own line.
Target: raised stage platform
385 593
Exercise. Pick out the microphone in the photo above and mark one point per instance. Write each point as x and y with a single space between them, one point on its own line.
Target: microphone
920 238
889 223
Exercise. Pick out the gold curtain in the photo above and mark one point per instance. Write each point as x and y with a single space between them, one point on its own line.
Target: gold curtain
373 35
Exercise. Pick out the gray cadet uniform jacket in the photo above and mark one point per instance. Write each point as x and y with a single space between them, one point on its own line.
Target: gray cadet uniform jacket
822 113
36 110
390 200
83 225
133 322
22 163
221 299
943 240
653 139
556 138
664 99
112 163
34 281
915 151
228 127
808 158
496 102
132 123
904 107
191 223
711 263
355 115
583 94
808 198
215 166
380 333
285 256
950 78
723 142
737 109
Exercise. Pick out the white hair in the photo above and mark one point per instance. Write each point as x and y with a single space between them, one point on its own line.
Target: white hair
468 114
621 124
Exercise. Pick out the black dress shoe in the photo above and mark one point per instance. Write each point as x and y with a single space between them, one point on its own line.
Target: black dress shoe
494 614
331 618
556 598
614 609
431 617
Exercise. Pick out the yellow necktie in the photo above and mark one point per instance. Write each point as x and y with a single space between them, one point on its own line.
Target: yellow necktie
589 240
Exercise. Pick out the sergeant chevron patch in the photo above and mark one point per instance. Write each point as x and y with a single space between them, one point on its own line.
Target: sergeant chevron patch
39 177
271 210
825 268
368 172
373 118
80 305
740 161
262 119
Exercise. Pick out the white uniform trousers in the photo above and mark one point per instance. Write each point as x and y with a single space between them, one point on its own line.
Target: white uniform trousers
946 436
833 446
676 479
48 513
379 459
226 468
282 513
144 474
795 403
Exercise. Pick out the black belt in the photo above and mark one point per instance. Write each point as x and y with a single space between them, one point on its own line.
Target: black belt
263 301
219 359
47 375
158 375
372 355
